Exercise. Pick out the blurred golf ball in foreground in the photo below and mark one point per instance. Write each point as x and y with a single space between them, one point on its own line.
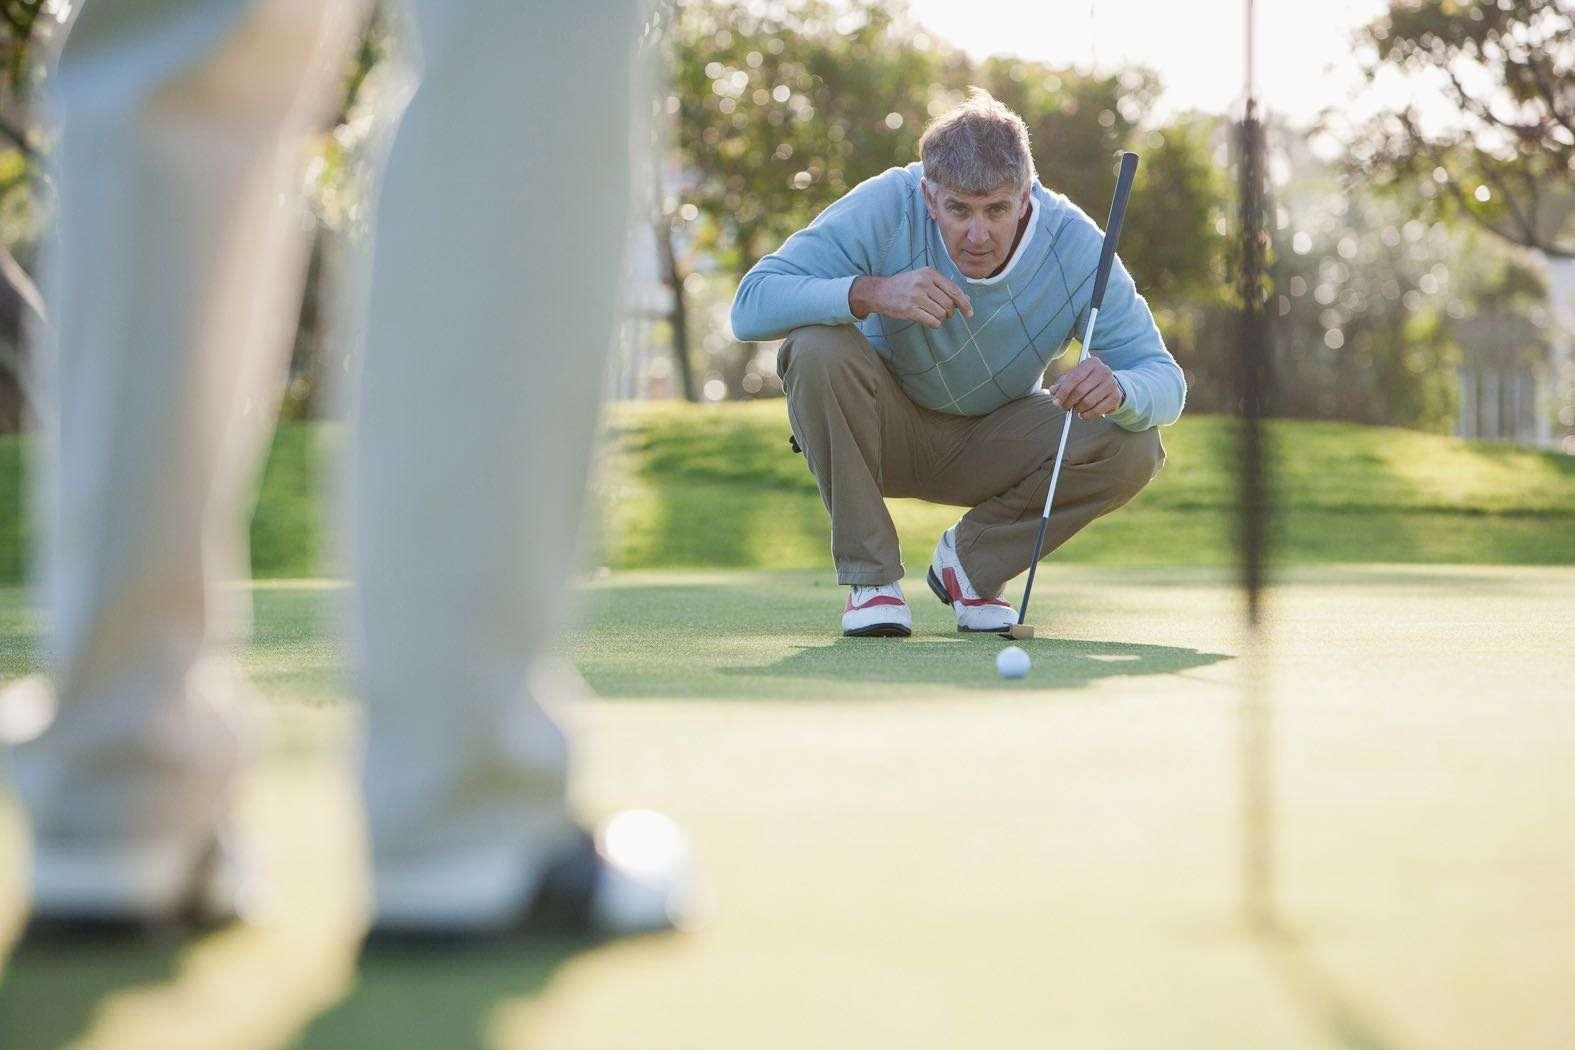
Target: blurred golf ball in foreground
1012 662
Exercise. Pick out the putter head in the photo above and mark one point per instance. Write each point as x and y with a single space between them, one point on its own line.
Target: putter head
1018 631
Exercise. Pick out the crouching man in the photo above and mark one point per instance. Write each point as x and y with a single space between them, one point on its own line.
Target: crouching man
920 312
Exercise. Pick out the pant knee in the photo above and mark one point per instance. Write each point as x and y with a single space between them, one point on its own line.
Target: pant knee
1137 461
817 351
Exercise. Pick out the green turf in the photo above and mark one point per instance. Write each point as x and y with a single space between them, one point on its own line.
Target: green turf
717 487
766 635
727 635
14 523
907 850
290 532
289 528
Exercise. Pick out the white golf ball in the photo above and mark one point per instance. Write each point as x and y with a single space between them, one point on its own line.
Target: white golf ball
1012 662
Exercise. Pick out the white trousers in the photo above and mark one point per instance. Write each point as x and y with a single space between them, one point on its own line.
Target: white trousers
180 261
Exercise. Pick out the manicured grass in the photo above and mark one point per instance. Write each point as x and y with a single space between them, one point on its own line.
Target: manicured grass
907 850
728 635
289 528
770 635
14 526
717 487
292 526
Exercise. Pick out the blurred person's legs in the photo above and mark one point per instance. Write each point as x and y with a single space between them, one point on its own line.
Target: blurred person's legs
501 229
503 221
175 290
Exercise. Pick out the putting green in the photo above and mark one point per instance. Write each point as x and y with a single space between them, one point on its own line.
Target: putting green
908 850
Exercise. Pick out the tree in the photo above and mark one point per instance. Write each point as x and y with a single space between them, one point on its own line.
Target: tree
776 112
1377 305
28 31
1507 159
338 180
1078 122
779 110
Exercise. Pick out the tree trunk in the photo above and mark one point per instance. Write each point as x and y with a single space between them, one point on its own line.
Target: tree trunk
678 319
21 309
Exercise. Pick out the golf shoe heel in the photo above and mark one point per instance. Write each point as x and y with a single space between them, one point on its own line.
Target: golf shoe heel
975 614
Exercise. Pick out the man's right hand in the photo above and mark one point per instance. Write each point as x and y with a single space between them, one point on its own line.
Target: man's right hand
923 295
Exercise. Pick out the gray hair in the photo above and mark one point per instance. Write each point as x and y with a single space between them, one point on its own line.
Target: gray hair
978 147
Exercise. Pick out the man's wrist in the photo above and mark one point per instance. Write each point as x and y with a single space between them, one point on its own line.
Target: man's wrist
861 296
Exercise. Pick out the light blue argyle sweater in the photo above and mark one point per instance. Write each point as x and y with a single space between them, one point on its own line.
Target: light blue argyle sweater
1022 317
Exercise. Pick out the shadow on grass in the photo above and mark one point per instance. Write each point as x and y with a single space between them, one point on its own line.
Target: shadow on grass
57 988
420 997
1058 663
1347 1019
54 983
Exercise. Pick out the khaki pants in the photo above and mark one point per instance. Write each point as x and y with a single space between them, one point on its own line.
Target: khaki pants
865 440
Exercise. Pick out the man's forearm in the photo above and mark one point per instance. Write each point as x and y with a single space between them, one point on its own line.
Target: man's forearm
768 305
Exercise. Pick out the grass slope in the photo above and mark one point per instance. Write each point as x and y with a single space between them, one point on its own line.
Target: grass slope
691 487
717 487
287 532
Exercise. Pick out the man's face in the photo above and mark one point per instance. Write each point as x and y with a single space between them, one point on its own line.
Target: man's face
978 231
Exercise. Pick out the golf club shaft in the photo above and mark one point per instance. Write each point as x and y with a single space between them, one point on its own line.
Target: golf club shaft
1055 476
1107 255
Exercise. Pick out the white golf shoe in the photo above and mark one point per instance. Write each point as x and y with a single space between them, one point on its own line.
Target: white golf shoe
877 612
975 613
168 886
635 875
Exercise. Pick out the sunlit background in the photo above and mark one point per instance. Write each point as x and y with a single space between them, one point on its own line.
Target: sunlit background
1196 48
1399 300
1357 839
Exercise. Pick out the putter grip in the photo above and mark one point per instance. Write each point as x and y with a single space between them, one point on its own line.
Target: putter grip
1118 211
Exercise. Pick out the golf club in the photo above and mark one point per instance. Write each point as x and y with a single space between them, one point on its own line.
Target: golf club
1107 256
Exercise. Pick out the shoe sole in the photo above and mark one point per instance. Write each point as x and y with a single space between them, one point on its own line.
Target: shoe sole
880 630
940 592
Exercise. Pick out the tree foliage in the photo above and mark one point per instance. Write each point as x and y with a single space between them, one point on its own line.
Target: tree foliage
1376 304
1078 122
28 32
775 111
779 111
1507 68
338 178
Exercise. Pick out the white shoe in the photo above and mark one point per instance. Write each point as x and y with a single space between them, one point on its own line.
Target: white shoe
636 874
197 879
207 883
877 612
950 583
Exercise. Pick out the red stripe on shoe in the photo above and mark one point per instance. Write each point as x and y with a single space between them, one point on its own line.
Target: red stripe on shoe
879 599
954 589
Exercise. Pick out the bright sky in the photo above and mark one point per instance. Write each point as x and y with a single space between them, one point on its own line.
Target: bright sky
1196 46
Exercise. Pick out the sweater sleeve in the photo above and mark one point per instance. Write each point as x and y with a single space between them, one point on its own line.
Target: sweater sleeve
1128 340
806 281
